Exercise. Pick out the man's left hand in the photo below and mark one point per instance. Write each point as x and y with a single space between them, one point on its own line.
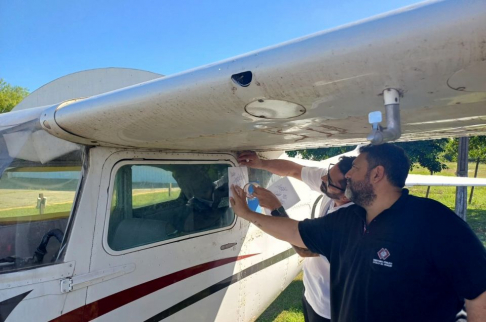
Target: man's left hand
238 201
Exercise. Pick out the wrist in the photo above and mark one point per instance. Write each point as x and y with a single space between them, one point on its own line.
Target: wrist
262 165
279 212
245 214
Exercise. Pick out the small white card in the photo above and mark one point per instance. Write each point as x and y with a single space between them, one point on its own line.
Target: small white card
237 176
285 192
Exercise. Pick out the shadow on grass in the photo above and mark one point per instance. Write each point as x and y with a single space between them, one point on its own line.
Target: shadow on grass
477 220
289 300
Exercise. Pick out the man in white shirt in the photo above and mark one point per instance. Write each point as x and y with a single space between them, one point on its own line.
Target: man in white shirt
332 184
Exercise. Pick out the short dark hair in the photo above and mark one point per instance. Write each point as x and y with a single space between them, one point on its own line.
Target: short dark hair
392 158
345 163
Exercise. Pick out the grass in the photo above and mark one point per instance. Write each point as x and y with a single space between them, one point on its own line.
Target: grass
288 306
22 203
146 198
27 198
33 211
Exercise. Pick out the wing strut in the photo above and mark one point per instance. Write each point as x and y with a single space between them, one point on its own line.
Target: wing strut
393 131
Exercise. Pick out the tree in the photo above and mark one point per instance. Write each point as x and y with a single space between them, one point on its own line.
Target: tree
477 152
477 149
424 153
427 154
10 96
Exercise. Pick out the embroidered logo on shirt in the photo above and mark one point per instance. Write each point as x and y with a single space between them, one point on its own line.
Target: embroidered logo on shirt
383 254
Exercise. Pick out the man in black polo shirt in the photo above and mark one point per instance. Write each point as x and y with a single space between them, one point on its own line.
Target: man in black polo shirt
395 258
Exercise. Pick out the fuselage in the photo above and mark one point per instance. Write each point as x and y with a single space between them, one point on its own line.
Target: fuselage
131 235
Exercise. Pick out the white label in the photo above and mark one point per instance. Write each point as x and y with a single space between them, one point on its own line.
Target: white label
237 176
285 192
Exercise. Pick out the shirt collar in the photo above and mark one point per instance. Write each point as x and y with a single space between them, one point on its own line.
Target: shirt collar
333 206
401 201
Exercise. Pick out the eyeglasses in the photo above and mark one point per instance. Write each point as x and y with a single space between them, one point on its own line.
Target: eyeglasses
329 181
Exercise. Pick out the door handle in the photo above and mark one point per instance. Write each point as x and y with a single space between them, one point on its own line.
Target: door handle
226 246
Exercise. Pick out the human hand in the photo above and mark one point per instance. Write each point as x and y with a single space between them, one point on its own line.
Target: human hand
249 159
238 201
266 198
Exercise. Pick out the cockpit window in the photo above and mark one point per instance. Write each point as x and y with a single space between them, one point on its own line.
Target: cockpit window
38 183
156 202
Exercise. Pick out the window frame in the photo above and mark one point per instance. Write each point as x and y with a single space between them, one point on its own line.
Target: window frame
137 161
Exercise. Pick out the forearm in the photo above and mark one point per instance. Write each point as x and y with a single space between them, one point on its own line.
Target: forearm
283 168
302 252
282 228
476 309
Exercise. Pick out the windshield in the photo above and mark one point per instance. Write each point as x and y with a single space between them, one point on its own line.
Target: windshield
39 177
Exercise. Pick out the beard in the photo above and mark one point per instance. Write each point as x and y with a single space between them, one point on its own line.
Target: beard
360 192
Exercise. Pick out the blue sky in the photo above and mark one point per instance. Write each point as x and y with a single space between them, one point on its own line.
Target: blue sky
43 40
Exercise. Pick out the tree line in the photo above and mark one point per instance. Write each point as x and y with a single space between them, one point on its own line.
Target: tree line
429 154
10 96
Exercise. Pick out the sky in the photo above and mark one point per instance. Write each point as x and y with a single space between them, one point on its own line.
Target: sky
43 40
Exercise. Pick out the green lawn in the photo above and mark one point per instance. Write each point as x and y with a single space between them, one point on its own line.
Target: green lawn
32 211
142 198
288 306
20 203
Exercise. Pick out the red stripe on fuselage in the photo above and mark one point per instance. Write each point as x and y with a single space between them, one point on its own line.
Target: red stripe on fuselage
107 304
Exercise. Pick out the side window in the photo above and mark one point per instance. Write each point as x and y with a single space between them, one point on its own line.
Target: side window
36 199
152 203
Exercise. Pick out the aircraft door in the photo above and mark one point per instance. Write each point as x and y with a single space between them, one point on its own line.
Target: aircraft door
37 203
166 226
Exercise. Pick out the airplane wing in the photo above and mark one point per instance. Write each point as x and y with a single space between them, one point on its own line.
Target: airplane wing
425 180
310 92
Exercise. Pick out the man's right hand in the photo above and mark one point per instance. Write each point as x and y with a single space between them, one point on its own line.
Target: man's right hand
266 198
250 159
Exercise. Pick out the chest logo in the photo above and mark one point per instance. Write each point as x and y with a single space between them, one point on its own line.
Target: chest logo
383 254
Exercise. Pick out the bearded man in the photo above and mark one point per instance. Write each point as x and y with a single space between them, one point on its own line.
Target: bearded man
393 256
331 183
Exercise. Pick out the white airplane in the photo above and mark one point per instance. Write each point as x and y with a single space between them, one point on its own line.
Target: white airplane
132 181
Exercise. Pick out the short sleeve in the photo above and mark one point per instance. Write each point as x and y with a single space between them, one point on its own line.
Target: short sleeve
316 235
311 176
458 254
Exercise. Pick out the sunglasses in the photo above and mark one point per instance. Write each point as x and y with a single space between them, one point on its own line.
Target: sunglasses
329 180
